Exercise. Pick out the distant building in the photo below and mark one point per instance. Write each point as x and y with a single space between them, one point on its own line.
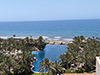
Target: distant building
97 65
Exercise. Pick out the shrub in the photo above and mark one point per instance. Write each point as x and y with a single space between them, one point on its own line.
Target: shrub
70 71
80 70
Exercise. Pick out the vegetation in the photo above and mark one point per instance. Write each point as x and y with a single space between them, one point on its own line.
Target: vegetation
83 52
39 74
79 58
53 67
79 70
16 55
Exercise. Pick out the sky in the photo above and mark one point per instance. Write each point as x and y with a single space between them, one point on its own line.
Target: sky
37 10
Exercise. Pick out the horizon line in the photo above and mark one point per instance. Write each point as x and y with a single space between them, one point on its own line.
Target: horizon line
47 20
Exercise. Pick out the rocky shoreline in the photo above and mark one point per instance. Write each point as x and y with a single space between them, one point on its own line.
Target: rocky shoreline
58 42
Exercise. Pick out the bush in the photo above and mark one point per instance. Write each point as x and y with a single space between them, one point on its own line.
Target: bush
80 70
70 71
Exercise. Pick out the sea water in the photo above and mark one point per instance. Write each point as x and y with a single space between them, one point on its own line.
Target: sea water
51 30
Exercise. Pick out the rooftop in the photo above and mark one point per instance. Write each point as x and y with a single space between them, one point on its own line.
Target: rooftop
81 74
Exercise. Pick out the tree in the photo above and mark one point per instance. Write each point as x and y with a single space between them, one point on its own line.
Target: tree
45 65
82 50
16 55
56 68
53 67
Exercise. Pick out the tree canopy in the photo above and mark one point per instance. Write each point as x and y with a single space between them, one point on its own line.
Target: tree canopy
16 54
83 51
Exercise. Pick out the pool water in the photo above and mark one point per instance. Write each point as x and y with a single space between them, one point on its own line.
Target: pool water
51 51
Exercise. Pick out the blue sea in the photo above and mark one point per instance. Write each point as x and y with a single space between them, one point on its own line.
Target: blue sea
51 30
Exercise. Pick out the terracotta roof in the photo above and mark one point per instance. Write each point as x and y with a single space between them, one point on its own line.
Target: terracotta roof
80 74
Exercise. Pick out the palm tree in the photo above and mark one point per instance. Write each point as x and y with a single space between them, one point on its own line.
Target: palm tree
45 65
56 68
82 52
16 63
53 67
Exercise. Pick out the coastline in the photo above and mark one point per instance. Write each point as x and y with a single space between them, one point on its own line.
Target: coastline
57 42
54 40
47 37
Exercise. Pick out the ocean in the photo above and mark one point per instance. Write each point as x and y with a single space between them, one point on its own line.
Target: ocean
63 30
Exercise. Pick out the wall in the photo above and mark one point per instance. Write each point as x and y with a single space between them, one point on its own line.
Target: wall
97 65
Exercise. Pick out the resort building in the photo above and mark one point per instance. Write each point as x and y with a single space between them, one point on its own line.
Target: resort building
97 65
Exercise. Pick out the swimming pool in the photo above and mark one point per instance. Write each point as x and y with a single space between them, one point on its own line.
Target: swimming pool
51 51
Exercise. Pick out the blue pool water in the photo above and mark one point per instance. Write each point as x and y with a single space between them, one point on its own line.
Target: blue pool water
51 51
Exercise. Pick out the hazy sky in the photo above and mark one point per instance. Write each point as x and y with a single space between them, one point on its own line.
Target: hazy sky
33 10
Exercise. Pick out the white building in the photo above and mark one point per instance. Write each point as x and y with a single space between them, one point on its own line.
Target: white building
97 65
